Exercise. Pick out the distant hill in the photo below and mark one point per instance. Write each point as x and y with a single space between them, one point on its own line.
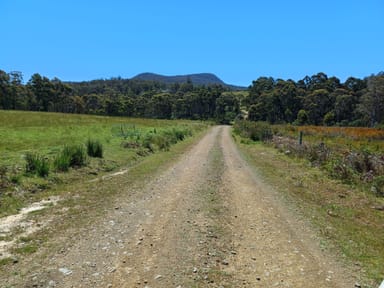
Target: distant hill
197 79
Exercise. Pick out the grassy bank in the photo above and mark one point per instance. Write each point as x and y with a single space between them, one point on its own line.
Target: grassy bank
81 205
349 219
41 151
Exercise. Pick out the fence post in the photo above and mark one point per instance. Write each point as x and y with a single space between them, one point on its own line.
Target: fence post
301 138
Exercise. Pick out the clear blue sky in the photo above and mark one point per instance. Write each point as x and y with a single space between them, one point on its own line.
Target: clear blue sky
237 40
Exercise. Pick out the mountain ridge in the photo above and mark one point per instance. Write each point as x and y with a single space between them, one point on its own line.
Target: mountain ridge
196 78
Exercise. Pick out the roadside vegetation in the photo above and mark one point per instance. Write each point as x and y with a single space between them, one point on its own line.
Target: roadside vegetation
40 151
335 177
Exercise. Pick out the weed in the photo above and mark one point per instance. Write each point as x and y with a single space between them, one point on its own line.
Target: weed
26 249
62 162
130 145
378 186
94 148
25 239
70 156
43 170
142 152
16 179
126 132
5 261
36 164
33 161
3 171
3 176
76 154
162 142
147 142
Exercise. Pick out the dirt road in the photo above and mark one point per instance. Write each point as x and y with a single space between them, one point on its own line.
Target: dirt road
208 221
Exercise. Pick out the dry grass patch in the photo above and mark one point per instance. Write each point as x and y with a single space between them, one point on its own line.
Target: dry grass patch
350 219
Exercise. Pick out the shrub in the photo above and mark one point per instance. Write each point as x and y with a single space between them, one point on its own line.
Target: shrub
378 186
318 154
147 142
163 142
338 169
36 164
256 131
181 133
142 152
94 148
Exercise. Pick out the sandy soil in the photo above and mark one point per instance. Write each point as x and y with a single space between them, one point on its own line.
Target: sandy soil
20 221
207 221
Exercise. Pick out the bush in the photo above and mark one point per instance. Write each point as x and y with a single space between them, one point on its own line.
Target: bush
94 148
318 154
378 186
163 142
256 131
36 164
168 137
147 142
338 169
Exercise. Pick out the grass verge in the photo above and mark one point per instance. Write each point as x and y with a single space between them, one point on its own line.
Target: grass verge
345 216
84 203
41 151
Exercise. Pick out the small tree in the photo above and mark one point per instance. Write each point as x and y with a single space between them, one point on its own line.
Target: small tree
329 118
302 117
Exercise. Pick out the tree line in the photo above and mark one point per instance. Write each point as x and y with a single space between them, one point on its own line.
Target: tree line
318 100
118 97
314 100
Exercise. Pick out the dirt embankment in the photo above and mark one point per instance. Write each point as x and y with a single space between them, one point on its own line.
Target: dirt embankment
208 221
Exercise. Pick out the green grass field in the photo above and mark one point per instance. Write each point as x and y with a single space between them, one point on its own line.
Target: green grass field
21 132
124 140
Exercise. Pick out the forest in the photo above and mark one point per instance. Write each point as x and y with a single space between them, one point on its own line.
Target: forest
314 100
318 100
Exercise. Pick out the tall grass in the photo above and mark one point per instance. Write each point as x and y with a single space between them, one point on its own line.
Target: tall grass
76 154
36 164
62 162
94 148
70 156
347 137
